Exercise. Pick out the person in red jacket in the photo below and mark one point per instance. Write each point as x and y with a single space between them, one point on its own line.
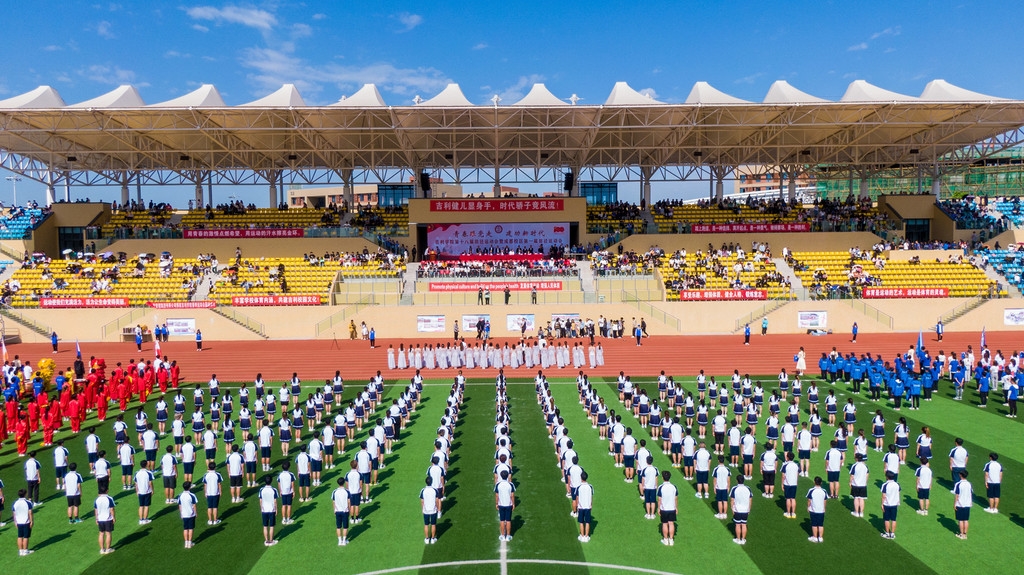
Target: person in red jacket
73 414
3 425
33 415
102 402
51 424
175 374
11 407
21 434
162 378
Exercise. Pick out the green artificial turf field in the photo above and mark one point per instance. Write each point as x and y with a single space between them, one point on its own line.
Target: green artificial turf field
391 535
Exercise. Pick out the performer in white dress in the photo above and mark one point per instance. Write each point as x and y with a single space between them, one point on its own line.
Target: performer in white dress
592 353
391 357
402 363
600 354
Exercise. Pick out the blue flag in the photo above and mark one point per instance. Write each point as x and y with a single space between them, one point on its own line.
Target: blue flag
78 349
920 340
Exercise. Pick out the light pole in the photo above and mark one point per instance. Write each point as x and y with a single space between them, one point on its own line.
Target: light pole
14 186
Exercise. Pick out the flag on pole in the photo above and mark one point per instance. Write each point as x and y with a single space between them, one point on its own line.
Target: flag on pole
982 337
156 350
920 340
3 343
78 349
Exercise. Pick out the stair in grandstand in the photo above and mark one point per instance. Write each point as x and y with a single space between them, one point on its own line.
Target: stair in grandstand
19 317
756 315
783 268
203 289
962 310
243 320
408 283
1002 281
587 283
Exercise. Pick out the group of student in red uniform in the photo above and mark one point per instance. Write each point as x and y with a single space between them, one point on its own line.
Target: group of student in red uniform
29 410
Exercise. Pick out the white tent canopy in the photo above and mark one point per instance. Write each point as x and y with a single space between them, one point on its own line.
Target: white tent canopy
704 93
862 91
450 97
540 96
782 92
623 95
943 91
367 97
206 96
125 96
41 97
286 96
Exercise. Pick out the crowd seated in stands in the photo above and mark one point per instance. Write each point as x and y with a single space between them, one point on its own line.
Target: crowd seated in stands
828 275
970 214
17 221
726 267
509 268
604 262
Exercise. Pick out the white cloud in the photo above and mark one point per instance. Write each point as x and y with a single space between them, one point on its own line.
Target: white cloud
52 48
480 46
104 30
515 92
272 68
858 47
64 78
891 31
251 17
301 31
649 92
200 28
409 21
748 79
320 16
104 74
176 54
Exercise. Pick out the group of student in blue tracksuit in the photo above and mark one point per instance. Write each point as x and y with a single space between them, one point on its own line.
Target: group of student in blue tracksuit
915 375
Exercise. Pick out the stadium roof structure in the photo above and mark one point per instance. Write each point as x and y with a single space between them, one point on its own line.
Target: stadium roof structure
116 138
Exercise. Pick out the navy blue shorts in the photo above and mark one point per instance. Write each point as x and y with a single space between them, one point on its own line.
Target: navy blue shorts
963 513
789 491
924 493
817 519
833 476
430 518
702 477
889 512
740 518
341 519
287 499
188 523
269 519
992 491
505 513
583 516
721 495
650 495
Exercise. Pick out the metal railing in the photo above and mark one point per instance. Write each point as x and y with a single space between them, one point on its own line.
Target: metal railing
872 312
498 298
651 311
959 311
760 313
340 317
242 320
122 321
20 317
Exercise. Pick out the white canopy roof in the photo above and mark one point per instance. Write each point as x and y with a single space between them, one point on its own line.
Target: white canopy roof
450 97
206 96
862 91
41 97
125 96
540 96
286 96
943 91
704 93
623 95
782 92
367 97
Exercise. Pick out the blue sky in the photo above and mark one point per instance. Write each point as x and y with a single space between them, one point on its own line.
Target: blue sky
330 49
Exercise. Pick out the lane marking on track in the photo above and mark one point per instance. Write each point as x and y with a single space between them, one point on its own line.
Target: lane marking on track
504 563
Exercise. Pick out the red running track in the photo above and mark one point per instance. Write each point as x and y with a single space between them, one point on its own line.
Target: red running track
677 355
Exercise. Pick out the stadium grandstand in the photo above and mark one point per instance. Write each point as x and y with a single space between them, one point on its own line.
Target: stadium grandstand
394 235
